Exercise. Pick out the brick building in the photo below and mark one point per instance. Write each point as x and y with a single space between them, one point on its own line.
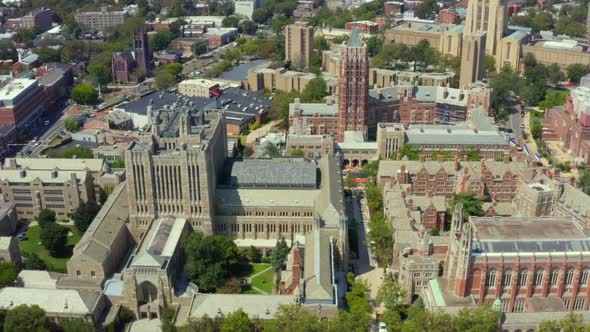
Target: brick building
353 97
393 7
448 15
363 26
220 36
131 66
518 261
22 101
37 19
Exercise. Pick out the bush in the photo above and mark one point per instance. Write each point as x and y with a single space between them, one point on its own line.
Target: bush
34 262
126 315
266 260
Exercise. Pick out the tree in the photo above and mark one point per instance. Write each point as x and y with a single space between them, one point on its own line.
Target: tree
8 274
177 26
584 181
162 39
85 94
253 254
173 69
374 197
47 54
72 124
279 254
99 73
349 181
279 107
315 90
24 318
489 64
480 318
391 295
237 321
76 325
54 238
248 27
293 318
230 22
555 74
381 238
359 305
472 205
576 71
164 80
297 153
211 259
199 48
84 215
45 217
271 150
423 54
34 262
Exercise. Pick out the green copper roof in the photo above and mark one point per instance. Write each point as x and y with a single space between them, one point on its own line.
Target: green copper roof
439 300
355 39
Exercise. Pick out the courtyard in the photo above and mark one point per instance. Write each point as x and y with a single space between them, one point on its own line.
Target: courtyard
33 245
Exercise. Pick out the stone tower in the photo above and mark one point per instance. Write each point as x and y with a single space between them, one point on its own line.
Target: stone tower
459 253
472 58
143 55
299 44
353 88
489 16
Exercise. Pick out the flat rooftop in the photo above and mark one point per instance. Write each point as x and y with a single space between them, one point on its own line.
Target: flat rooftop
274 173
527 235
15 88
264 197
255 306
428 27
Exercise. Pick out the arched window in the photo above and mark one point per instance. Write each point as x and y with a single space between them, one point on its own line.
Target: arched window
584 277
491 278
569 276
523 277
507 278
554 277
538 282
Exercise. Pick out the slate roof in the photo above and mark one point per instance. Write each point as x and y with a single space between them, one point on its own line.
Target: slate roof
273 173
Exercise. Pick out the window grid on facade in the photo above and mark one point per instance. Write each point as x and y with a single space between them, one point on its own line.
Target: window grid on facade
579 304
523 278
507 278
554 277
491 278
538 277
584 276
569 276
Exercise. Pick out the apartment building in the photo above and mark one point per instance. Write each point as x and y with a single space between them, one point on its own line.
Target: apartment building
102 19
299 44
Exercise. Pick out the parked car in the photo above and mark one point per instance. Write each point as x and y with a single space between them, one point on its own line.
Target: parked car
22 236
382 327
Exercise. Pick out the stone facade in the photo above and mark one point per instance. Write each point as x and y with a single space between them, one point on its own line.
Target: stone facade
299 44
174 168
489 16
472 58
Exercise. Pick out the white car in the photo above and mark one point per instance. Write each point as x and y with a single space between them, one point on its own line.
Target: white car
382 327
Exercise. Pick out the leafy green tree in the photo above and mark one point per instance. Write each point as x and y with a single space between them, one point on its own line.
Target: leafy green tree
34 262
199 48
271 150
85 94
72 124
381 238
24 318
54 238
349 181
211 259
321 44
84 215
297 153
8 274
555 74
162 39
359 305
76 325
230 22
409 151
370 169
164 80
279 254
99 73
47 54
279 107
293 318
374 197
566 25
489 64
253 254
391 295
248 27
584 181
503 86
45 217
315 90
576 71
247 151
472 205
237 321
480 318
426 9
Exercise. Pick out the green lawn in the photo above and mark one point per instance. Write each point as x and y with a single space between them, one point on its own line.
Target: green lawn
264 281
564 92
33 245
258 267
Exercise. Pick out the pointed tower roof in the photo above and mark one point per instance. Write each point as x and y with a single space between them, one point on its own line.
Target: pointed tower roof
355 39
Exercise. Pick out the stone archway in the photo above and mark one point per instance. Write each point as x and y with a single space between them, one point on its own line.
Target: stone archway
355 163
146 293
364 162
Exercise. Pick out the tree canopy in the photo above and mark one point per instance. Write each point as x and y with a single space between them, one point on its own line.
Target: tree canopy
315 90
25 318
279 254
472 205
8 274
45 217
85 94
54 238
237 321
211 259
84 215
381 238
359 306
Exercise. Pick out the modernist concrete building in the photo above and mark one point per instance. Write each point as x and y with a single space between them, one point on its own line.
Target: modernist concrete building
299 44
353 87
175 166
246 7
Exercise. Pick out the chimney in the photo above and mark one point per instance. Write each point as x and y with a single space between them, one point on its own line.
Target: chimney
482 165
573 181
506 158
422 158
440 158
403 175
411 204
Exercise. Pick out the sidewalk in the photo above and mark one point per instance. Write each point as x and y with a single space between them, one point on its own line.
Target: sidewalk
260 132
